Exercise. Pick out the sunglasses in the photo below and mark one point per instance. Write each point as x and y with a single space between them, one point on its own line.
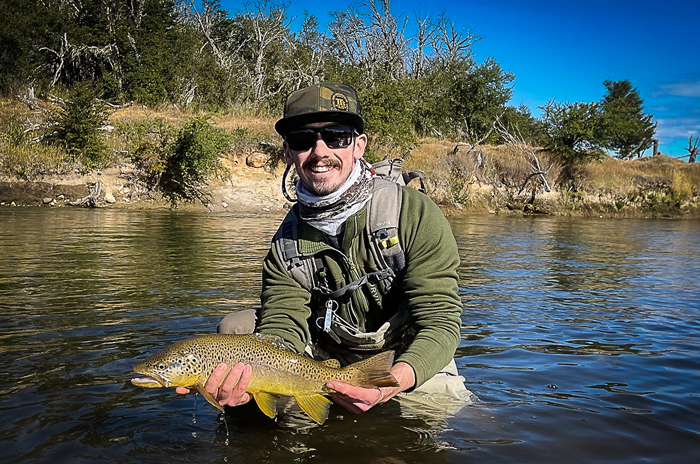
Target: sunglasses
334 137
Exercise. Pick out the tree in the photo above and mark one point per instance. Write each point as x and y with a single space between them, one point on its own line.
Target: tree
464 99
571 131
625 128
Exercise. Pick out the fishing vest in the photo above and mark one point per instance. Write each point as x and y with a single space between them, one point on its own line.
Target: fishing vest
381 229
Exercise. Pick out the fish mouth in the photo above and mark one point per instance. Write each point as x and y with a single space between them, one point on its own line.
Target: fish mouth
148 381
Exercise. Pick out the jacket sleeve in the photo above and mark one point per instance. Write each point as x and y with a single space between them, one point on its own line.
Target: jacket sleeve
430 285
285 304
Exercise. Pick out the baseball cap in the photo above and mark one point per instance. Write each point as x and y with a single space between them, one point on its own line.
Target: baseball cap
328 101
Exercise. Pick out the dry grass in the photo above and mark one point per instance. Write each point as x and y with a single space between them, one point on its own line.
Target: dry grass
454 171
622 176
20 156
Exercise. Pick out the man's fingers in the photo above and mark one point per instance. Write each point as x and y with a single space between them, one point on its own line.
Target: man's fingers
233 379
233 390
355 399
227 386
215 379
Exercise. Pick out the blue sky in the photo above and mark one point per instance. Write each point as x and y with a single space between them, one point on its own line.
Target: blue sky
565 49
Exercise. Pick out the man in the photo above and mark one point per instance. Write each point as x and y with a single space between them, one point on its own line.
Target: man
334 285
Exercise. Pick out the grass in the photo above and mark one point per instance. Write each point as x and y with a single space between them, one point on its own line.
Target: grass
623 176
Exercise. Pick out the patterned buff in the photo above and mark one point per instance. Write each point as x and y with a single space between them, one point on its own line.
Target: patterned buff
328 213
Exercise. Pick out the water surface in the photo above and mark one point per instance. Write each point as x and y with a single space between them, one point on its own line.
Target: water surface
580 338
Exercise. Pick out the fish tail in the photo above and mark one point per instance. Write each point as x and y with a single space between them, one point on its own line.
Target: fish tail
373 372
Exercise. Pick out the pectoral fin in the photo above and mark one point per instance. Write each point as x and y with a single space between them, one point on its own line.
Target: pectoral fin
316 406
267 403
207 396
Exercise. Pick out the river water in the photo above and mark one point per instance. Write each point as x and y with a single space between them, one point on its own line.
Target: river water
580 337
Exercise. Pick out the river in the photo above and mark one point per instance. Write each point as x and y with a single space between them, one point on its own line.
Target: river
580 337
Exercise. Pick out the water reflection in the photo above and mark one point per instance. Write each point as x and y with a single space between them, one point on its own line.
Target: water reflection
580 338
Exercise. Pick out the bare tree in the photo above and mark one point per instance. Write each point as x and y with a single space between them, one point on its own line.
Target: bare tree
418 58
372 38
71 60
270 26
206 21
309 52
450 44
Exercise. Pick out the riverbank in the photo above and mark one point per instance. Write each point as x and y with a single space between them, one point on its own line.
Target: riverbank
461 178
257 190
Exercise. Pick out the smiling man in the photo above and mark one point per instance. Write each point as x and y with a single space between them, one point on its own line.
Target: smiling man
359 265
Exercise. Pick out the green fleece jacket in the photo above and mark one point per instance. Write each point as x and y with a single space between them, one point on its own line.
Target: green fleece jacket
428 286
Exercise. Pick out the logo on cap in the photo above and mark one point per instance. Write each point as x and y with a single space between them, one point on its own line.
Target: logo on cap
340 102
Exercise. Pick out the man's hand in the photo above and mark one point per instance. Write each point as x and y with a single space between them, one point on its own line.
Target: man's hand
360 399
228 390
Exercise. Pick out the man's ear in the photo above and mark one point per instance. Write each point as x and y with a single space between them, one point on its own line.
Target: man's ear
360 144
288 158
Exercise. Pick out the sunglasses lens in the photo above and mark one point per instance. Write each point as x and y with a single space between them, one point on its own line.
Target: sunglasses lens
337 136
333 136
301 140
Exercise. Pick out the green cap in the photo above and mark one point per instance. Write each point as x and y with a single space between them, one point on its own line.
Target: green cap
329 101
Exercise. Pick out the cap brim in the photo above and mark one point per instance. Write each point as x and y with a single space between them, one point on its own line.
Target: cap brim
285 125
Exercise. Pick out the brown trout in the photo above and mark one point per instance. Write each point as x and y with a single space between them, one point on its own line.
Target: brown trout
276 371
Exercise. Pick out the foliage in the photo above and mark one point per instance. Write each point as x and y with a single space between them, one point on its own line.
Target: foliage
78 127
625 128
150 143
193 160
27 25
478 95
388 112
571 131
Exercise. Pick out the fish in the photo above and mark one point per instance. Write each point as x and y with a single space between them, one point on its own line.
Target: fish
276 371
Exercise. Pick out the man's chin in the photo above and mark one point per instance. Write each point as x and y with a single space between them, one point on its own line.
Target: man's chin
322 185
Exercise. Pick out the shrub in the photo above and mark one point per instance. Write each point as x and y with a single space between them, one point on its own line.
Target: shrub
78 127
194 159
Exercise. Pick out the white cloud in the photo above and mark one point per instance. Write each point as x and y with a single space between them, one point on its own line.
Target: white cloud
668 129
680 89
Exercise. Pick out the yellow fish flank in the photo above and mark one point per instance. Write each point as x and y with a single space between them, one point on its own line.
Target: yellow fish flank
276 371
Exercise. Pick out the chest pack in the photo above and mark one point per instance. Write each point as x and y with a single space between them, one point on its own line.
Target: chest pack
382 233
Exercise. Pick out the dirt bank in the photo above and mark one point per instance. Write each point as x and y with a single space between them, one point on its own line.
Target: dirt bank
248 190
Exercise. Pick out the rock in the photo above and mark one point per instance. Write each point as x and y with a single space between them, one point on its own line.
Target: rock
46 200
109 198
256 160
224 205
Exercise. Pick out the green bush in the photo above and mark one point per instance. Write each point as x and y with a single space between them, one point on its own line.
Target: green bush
78 127
193 160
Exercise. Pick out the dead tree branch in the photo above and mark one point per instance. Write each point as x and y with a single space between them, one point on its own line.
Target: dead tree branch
91 199
515 140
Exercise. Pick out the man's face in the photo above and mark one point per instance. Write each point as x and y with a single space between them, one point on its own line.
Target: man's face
321 169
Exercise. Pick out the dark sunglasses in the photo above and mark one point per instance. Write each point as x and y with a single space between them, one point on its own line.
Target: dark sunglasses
333 136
